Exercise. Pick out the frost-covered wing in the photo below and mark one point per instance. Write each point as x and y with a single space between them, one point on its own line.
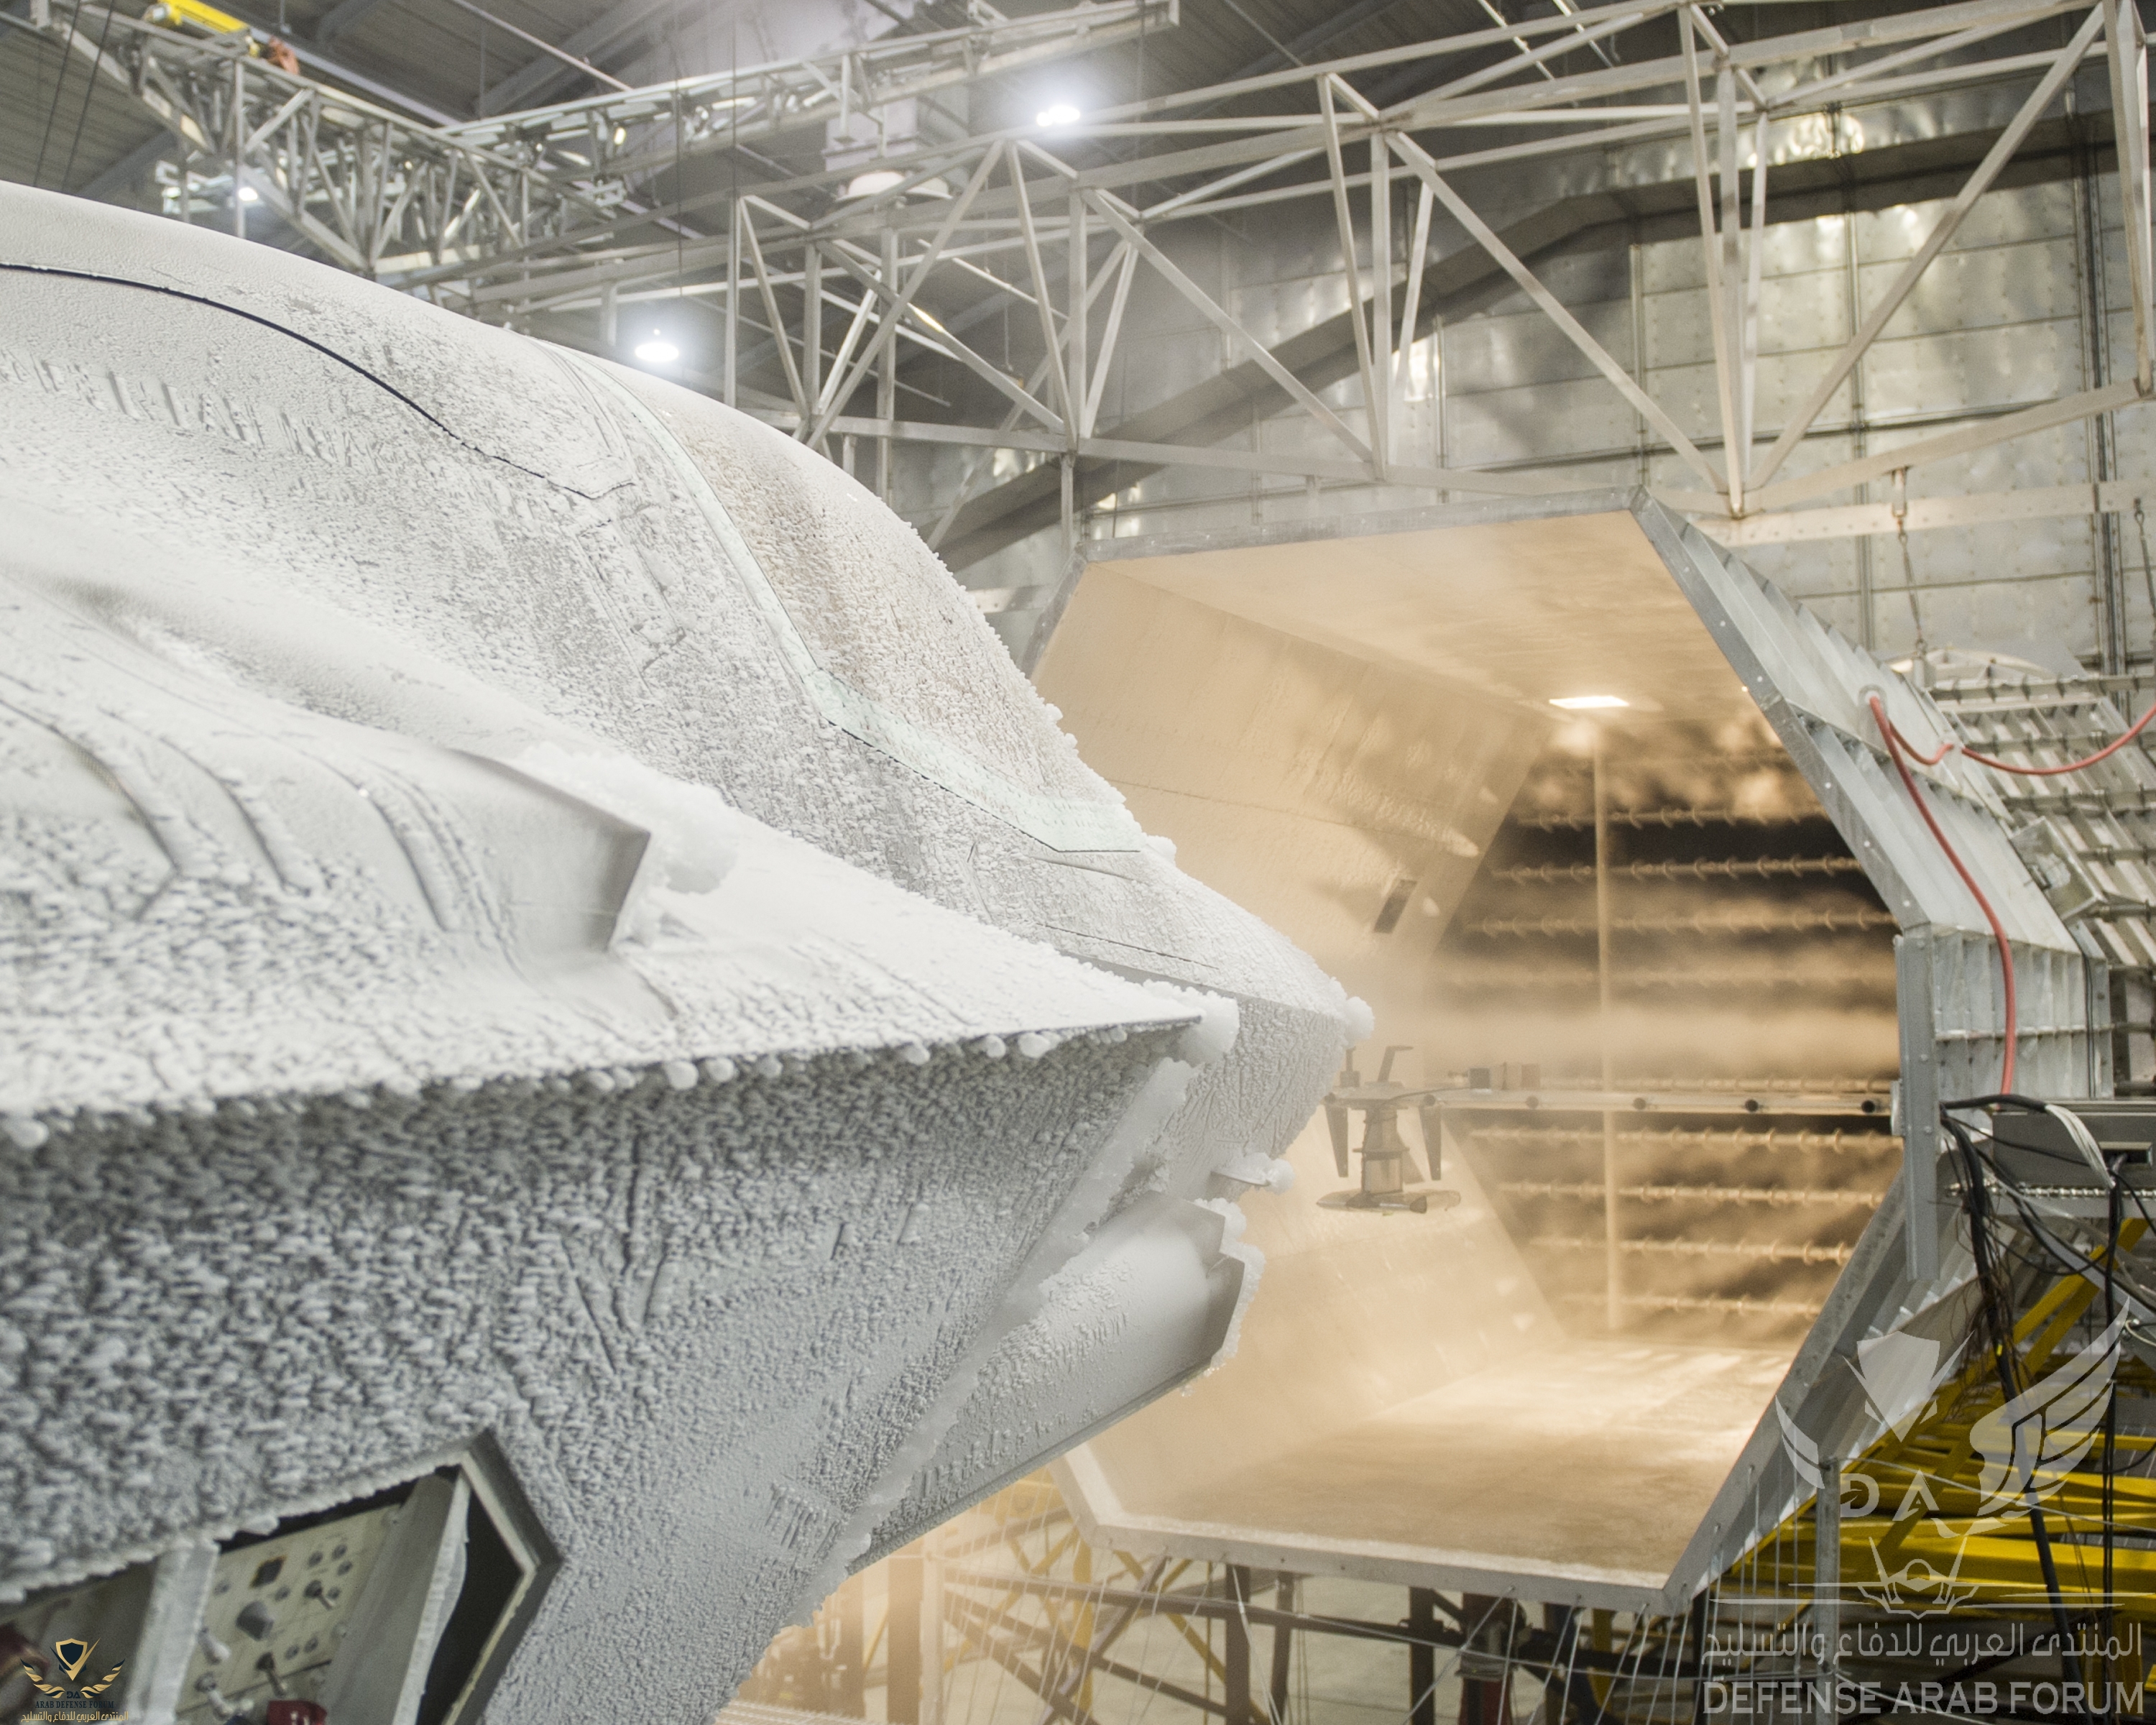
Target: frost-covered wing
2047 1427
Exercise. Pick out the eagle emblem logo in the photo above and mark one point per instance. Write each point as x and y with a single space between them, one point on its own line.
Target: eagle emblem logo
2025 1449
2029 1446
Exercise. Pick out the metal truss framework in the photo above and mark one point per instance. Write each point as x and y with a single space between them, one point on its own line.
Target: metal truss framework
1015 1587
355 179
381 193
510 217
1013 203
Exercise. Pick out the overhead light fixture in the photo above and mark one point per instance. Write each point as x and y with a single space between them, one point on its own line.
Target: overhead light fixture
248 194
658 352
1061 114
868 185
1589 703
620 135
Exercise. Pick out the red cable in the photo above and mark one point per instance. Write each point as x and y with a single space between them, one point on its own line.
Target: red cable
1895 744
1945 749
1894 736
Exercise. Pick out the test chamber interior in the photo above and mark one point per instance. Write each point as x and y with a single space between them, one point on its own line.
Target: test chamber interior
1349 727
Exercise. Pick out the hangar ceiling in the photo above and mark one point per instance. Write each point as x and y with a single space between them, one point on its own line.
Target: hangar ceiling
816 210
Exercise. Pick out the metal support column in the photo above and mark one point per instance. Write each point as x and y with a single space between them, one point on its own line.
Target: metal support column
1698 1621
1235 1649
1867 597
1826 1577
1381 301
239 133
1614 1291
1283 1649
901 1640
2100 432
1483 1699
1422 1656
812 326
887 371
1918 1096
848 1692
1076 335
1562 1624
930 1643
1643 441
733 307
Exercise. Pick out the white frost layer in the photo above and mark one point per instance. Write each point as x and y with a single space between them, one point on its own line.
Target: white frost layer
842 567
913 727
697 1322
394 709
211 887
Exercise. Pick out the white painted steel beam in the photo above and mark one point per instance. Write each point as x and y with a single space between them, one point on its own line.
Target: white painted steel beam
1413 154
1919 515
1225 321
1943 230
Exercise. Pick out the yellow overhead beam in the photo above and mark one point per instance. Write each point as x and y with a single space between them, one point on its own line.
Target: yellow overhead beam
193 12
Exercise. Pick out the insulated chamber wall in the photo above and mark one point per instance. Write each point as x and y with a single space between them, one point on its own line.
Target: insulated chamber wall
1663 1038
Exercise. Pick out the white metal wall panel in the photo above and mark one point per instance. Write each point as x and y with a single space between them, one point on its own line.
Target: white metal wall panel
1583 415
1523 347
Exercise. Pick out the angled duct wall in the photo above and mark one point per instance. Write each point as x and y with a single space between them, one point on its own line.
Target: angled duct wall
1346 724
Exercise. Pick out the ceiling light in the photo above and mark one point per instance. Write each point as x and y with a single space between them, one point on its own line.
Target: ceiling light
1061 114
868 185
1589 703
621 135
248 194
658 352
